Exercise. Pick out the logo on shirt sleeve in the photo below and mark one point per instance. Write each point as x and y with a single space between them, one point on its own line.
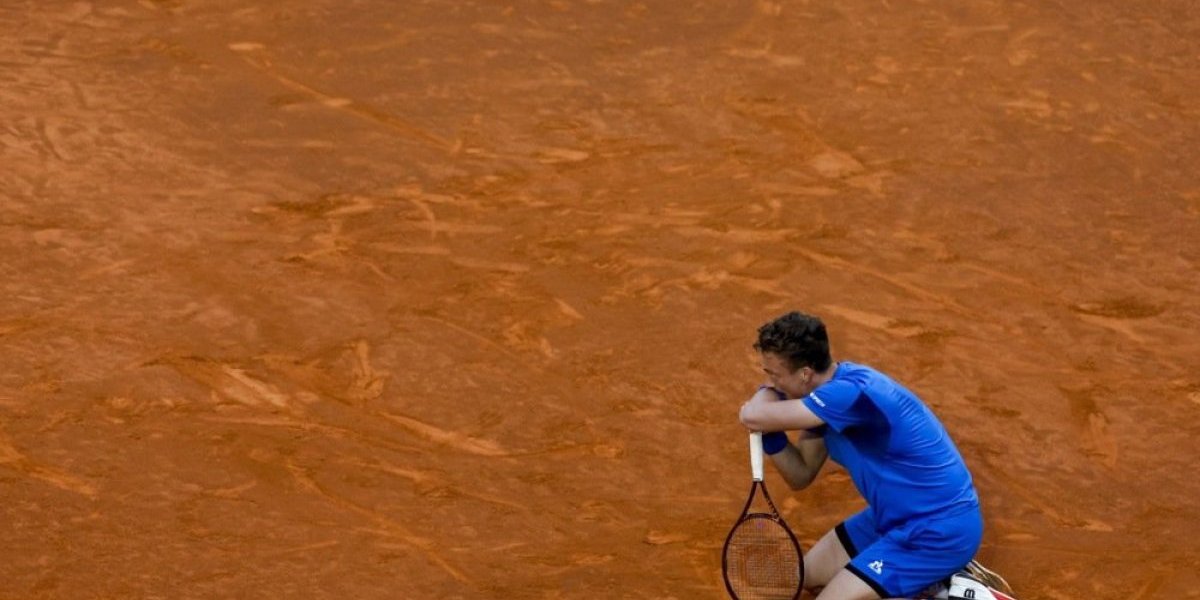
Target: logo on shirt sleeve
817 399
877 566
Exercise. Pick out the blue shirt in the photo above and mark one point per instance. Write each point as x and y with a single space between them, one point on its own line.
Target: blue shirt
897 452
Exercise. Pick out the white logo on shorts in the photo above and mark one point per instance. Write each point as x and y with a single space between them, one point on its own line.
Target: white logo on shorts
877 566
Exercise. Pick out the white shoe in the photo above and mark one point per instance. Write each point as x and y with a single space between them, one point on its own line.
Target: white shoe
965 587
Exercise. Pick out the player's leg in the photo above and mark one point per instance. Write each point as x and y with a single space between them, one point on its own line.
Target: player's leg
848 586
908 559
824 561
833 552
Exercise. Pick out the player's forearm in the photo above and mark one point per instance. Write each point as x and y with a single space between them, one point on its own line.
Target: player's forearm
782 415
800 462
797 470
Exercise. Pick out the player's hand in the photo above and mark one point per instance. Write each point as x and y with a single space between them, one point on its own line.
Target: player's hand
770 394
773 441
764 394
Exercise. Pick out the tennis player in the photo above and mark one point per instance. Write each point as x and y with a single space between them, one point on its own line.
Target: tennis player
922 525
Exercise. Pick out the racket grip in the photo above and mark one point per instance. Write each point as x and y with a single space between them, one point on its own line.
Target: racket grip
756 455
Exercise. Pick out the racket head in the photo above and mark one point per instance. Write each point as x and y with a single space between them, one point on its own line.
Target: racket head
762 559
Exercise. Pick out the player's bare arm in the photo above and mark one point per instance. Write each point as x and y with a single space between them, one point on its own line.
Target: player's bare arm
800 462
763 412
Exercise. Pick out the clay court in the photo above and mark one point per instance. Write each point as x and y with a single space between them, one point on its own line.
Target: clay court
371 299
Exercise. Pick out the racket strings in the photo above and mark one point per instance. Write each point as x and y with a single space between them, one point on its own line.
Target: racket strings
763 562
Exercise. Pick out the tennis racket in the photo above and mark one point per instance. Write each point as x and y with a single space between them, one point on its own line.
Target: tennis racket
762 559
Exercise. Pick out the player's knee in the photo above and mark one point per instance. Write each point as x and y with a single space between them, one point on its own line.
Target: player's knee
823 562
816 577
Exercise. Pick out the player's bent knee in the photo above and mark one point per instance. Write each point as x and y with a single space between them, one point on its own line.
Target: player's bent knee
824 561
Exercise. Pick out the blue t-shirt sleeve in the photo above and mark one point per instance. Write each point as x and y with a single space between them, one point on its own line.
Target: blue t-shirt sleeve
838 404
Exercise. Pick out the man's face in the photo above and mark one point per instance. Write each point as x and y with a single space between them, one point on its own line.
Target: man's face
795 384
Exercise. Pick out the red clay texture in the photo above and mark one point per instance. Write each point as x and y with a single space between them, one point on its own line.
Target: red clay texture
371 299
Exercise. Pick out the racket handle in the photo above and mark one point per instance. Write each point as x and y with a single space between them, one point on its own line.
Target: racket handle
756 455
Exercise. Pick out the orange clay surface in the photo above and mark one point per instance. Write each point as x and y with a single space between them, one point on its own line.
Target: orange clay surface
373 299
